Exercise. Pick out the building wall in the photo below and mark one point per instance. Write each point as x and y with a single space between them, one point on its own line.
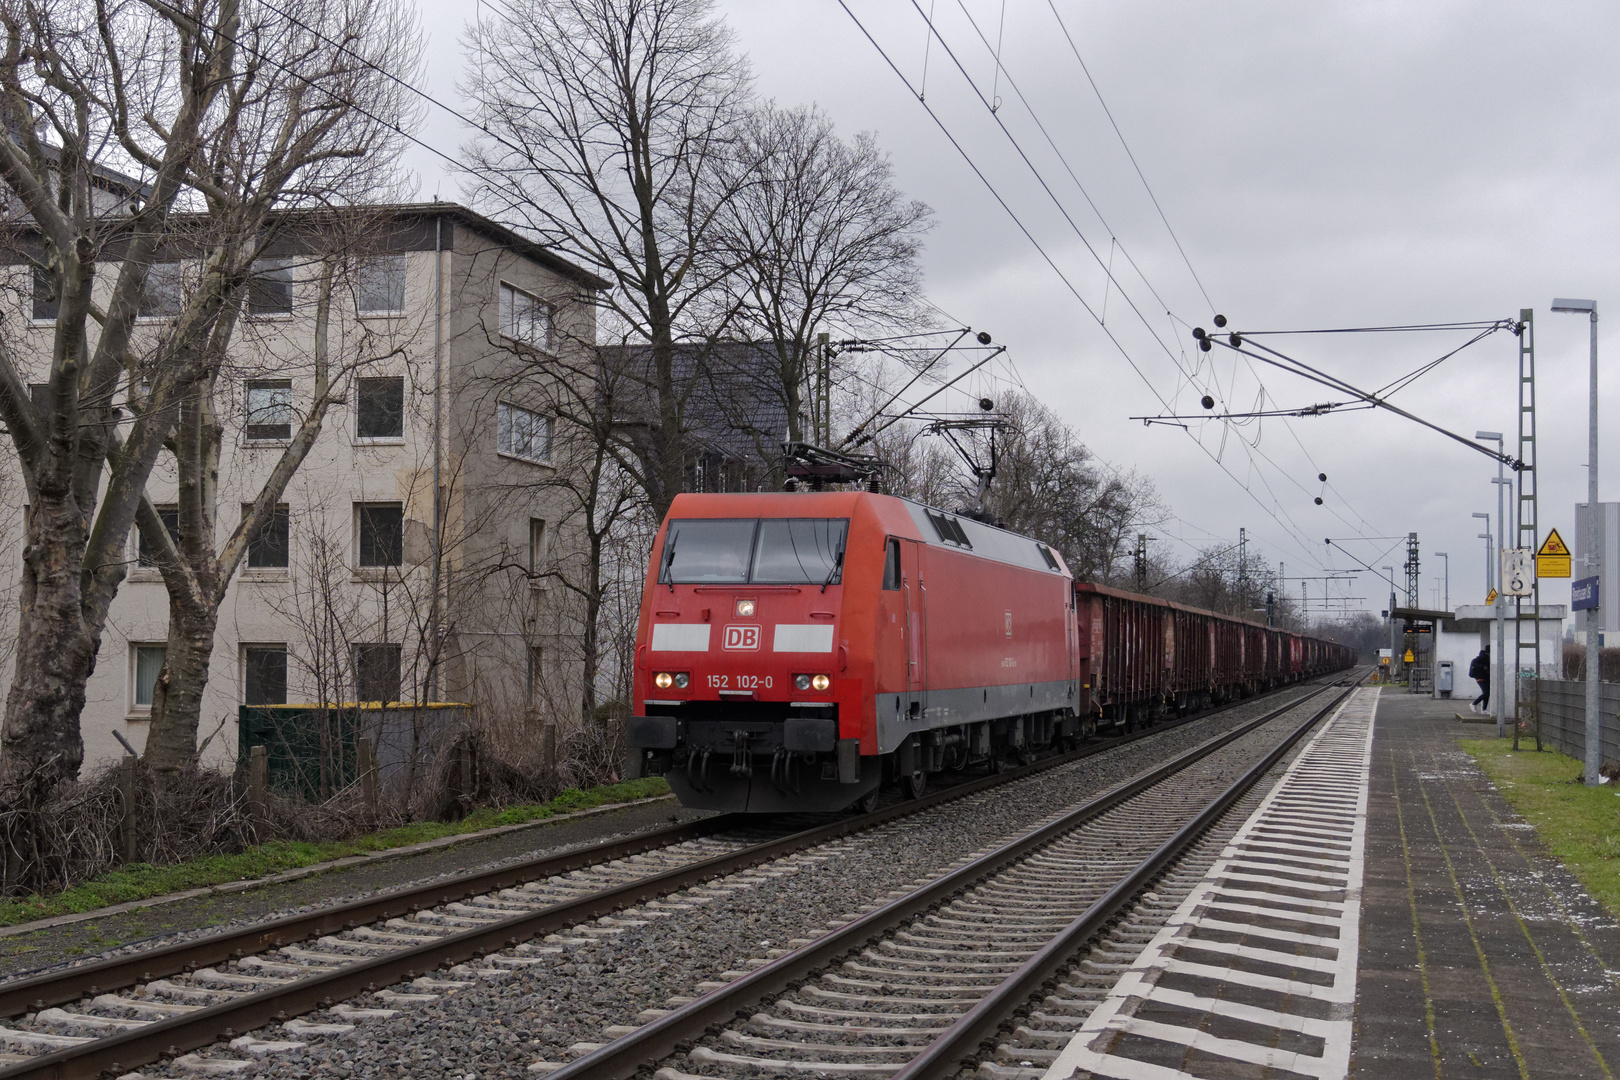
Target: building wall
489 616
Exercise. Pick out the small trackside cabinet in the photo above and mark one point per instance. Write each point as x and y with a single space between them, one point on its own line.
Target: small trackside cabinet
1443 678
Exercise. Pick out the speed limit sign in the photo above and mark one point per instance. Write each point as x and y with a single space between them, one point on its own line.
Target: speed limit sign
1518 571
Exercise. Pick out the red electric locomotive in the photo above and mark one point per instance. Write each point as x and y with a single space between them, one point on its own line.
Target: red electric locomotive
795 648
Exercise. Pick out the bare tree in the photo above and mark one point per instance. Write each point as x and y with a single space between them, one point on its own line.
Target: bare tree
818 233
195 573
610 122
600 494
179 95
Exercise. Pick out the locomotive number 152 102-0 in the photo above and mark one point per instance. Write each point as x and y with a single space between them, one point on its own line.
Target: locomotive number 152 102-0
739 682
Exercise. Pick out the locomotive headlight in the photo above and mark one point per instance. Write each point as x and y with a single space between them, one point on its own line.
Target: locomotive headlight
820 682
681 679
663 680
802 682
745 609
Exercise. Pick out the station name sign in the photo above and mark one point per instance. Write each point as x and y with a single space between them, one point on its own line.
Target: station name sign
1583 594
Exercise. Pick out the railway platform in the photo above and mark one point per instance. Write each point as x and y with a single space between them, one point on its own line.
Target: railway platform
1481 956
1384 914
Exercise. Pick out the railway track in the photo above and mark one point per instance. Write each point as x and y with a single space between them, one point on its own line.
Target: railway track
913 988
166 1003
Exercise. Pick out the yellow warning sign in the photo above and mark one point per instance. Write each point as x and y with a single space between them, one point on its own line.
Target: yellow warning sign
1491 598
1552 557
1409 656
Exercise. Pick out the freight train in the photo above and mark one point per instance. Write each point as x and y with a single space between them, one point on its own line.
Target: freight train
797 651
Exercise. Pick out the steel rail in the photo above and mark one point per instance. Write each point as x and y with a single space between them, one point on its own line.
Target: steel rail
55 988
946 1055
117 973
654 1041
131 1049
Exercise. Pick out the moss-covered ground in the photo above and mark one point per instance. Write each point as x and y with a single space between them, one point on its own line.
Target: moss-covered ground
1579 825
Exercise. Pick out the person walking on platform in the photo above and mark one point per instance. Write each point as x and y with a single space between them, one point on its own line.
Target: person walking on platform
1480 671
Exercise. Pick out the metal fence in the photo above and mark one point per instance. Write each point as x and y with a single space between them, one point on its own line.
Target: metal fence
1563 716
312 750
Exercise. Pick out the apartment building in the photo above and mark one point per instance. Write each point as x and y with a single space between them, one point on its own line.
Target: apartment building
407 559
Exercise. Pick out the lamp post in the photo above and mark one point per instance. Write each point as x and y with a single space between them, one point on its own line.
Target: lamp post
1499 610
1446 604
1594 561
1390 572
1490 564
1490 586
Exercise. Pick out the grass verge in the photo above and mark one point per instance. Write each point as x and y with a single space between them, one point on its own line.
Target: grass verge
1579 825
141 881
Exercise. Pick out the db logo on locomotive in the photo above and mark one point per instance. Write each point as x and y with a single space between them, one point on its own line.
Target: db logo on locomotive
740 637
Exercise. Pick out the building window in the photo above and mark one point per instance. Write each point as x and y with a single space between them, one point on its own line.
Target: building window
269 546
537 545
525 318
376 673
382 533
522 433
531 690
380 288
147 661
164 293
46 302
264 675
269 410
170 516
380 408
270 289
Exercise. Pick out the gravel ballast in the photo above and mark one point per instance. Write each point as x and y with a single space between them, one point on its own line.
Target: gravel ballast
499 1028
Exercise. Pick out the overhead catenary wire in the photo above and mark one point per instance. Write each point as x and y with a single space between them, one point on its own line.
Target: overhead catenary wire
1304 547
1191 377
1075 49
1288 363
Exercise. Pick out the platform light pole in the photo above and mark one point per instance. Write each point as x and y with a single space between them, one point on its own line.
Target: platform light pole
1498 674
1490 566
1594 560
1390 571
1490 586
1446 604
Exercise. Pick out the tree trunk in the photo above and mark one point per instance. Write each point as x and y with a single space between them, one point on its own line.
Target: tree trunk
590 638
171 741
56 654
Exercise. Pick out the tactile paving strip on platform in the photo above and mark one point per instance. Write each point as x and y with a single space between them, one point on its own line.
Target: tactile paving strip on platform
1256 971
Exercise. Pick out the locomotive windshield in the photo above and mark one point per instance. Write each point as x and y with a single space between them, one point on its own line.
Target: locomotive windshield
772 551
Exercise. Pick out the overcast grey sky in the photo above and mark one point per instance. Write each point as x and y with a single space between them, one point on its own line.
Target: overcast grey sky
1323 165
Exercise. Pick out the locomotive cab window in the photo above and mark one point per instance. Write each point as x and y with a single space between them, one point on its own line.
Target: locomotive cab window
773 551
891 565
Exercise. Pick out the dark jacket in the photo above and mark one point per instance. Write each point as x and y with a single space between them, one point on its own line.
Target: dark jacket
1480 668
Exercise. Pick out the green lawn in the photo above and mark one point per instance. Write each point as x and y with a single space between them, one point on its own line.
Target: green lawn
141 881
1579 825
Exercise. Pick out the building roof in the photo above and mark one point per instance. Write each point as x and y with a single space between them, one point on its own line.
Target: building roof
494 230
734 402
406 215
